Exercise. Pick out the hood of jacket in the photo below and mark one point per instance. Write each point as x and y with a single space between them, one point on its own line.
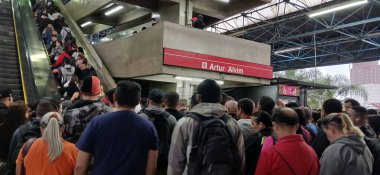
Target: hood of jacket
210 109
356 143
155 110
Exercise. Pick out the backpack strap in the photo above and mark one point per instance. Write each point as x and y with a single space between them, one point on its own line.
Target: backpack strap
24 152
286 162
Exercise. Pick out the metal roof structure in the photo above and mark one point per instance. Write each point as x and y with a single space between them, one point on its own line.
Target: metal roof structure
298 41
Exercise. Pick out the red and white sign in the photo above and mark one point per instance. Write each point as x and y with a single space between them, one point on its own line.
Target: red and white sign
289 90
181 58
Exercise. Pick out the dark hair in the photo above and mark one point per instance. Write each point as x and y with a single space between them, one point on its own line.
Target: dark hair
128 93
352 101
172 99
144 102
306 113
80 49
292 105
360 111
46 106
332 106
301 116
143 28
264 118
316 115
110 95
246 105
14 118
193 100
267 104
372 112
209 91
285 116
33 107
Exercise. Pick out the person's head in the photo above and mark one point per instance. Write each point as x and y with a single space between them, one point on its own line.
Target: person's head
231 106
182 104
358 115
301 116
292 105
50 26
6 97
307 114
19 111
349 103
127 94
208 92
144 102
54 38
52 129
156 97
285 122
80 49
32 110
16 116
54 33
336 125
45 106
266 104
109 95
280 103
172 100
90 88
144 28
372 112
331 106
134 32
316 115
200 17
261 121
193 100
244 108
66 104
223 99
58 43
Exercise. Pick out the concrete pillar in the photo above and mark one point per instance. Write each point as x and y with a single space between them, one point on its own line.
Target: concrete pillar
180 13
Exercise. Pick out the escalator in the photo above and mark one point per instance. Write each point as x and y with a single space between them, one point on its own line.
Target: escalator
10 74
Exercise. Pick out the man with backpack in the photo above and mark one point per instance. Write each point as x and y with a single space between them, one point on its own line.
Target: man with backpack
164 123
207 140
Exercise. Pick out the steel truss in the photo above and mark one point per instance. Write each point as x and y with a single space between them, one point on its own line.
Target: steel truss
348 36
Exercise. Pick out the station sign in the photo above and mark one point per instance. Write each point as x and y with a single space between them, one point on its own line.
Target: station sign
179 58
289 90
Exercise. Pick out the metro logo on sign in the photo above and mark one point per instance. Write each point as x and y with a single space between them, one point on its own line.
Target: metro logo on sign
181 58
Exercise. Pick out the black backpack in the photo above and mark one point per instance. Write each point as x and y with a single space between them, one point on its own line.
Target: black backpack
374 146
69 36
214 150
164 132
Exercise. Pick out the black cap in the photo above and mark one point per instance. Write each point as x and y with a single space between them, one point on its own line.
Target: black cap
157 95
5 93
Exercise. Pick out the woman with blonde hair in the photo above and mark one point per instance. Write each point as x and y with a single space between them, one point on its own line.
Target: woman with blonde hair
348 154
49 154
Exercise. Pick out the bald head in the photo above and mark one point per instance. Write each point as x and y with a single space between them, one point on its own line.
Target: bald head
286 117
231 106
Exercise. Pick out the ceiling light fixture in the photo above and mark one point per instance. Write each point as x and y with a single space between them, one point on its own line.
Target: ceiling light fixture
337 7
288 50
86 24
114 10
224 1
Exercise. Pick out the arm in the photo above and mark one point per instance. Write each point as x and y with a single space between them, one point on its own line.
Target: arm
152 162
177 152
263 164
59 61
18 170
83 160
241 149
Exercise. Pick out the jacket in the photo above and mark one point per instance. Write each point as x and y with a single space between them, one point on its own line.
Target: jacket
347 155
158 111
368 131
3 112
183 133
60 59
291 153
79 115
320 143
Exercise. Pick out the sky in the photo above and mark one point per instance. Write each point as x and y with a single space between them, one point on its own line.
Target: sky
343 69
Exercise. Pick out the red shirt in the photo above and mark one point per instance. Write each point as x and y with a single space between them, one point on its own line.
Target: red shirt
300 157
60 59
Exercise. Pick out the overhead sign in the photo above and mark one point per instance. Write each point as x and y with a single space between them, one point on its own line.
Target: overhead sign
187 59
289 90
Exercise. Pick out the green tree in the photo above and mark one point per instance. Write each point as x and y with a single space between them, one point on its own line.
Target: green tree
315 98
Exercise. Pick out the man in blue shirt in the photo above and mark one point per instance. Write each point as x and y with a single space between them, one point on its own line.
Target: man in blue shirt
121 142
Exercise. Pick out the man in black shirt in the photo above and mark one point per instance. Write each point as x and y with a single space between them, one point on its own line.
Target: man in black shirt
172 103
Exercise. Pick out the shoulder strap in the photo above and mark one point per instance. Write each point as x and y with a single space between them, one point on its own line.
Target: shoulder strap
286 162
24 152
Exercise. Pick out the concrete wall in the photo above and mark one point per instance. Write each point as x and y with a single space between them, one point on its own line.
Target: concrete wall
83 8
142 53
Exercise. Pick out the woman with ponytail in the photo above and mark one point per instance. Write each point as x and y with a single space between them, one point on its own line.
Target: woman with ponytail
50 154
348 154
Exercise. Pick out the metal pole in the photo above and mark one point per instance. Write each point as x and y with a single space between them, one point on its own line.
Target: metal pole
315 57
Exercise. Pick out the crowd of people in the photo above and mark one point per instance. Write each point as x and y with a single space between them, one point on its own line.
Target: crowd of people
120 132
167 137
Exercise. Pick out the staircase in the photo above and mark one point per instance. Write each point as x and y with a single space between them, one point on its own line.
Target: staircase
10 77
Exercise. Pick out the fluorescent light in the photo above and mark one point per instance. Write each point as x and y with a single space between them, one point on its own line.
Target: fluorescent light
86 24
224 1
196 79
109 5
112 11
338 7
288 50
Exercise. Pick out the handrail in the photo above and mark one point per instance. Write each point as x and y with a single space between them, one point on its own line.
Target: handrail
101 70
38 81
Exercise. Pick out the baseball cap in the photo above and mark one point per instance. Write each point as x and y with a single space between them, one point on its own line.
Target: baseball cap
157 95
5 93
91 86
